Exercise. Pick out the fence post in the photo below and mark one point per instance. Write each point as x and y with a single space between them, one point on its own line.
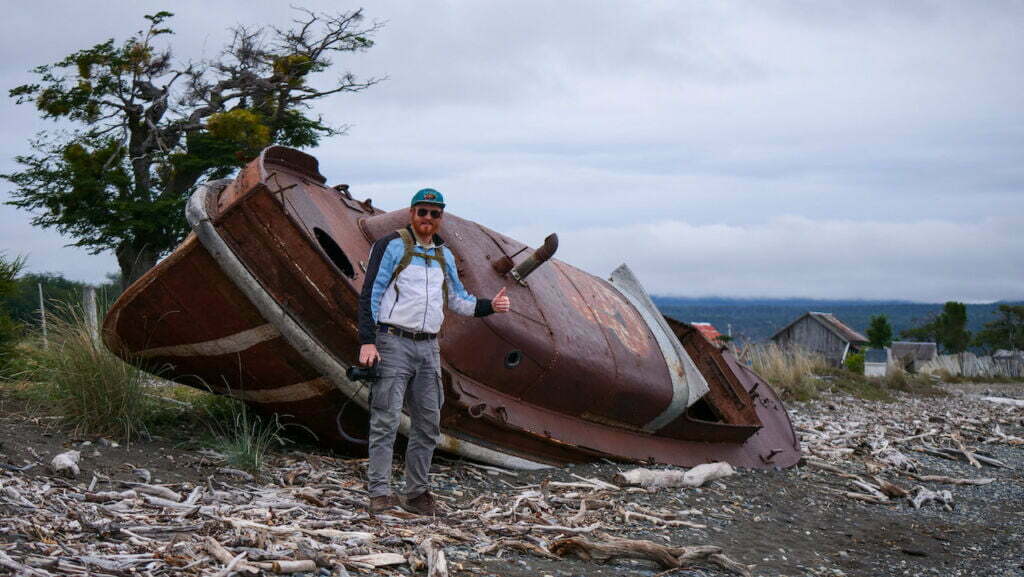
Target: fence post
89 304
42 316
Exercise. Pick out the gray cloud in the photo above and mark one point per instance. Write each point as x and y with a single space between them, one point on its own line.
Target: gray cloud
796 256
632 127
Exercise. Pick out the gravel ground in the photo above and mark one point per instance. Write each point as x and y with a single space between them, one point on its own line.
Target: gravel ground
785 522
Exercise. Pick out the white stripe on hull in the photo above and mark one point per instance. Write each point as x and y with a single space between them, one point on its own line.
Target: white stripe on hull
289 394
235 343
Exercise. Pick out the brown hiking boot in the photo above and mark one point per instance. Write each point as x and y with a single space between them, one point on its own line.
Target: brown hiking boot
422 504
382 503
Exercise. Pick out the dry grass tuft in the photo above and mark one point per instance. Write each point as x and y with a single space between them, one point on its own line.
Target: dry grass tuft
93 390
793 370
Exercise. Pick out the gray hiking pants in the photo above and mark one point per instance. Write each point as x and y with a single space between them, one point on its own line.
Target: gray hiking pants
410 374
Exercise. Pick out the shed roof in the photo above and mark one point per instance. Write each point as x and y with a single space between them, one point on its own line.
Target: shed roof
909 350
876 356
830 322
709 332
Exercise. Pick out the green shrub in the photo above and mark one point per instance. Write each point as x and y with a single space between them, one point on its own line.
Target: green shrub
244 437
10 331
854 363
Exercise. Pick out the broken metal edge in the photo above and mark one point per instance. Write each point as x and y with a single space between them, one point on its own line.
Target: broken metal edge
688 387
313 351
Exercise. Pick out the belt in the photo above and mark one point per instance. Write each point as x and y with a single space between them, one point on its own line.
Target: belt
383 328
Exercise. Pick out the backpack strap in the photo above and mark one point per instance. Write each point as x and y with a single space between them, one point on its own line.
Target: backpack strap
438 256
406 257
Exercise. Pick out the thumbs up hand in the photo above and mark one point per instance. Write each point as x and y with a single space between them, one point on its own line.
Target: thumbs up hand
500 302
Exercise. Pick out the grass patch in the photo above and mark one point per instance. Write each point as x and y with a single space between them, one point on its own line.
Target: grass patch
949 378
792 370
242 436
900 380
94 392
802 375
842 380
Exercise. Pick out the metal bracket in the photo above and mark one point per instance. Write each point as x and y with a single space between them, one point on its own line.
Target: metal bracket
515 274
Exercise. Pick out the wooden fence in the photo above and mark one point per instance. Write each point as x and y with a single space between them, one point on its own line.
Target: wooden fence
1006 364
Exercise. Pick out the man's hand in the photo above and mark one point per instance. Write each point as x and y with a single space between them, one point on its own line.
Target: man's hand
368 355
500 302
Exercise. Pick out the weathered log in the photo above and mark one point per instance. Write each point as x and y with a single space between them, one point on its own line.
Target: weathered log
154 490
666 556
954 480
656 478
378 559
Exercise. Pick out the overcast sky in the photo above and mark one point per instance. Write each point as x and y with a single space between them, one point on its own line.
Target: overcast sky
813 149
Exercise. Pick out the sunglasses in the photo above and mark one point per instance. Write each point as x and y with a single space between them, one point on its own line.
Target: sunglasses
434 213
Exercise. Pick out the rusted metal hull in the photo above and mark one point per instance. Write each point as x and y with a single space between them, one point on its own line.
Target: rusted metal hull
260 303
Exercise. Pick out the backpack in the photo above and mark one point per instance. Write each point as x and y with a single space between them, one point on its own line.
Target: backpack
438 256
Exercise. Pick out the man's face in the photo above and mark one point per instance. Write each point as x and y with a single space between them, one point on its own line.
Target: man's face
423 220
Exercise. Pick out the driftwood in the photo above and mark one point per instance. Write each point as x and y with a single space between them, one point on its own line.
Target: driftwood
66 463
378 559
656 478
953 480
666 556
433 552
306 512
522 546
232 561
924 496
1004 401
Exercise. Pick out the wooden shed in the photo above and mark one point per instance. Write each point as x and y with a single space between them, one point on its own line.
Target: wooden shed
822 333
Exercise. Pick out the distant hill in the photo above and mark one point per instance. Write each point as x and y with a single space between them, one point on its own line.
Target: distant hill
758 319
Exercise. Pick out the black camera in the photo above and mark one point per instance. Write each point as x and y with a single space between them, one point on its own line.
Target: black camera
365 374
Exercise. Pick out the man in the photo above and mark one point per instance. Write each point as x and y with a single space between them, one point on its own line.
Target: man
409 277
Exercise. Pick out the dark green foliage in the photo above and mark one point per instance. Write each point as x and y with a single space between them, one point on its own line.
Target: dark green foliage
948 329
854 363
1006 332
926 332
879 332
9 328
952 328
23 302
144 129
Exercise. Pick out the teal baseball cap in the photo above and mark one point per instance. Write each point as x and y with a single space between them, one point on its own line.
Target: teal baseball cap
428 196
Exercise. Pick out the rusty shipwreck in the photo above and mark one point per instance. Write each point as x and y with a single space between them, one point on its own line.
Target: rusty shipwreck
260 302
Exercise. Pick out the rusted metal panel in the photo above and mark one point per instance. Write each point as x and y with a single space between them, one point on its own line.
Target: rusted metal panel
589 373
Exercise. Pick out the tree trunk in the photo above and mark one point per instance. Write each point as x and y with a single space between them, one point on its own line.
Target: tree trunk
134 261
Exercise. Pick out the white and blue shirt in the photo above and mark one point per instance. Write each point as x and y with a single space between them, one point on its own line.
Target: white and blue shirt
414 301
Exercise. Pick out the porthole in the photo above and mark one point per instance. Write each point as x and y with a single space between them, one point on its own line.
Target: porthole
334 252
512 359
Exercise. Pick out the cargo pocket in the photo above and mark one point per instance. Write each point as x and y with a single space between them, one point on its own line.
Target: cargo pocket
380 391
